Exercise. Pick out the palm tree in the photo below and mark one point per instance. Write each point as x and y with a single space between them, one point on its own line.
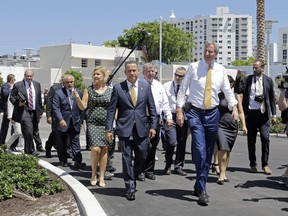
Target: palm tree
261 29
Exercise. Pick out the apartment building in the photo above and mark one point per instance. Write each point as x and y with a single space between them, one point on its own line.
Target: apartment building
282 45
232 32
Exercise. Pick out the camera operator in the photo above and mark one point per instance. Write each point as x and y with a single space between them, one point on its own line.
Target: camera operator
257 93
283 107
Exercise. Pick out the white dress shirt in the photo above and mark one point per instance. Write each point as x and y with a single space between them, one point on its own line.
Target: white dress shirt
171 92
195 80
160 99
256 89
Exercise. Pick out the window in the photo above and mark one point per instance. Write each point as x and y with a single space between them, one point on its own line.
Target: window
84 63
284 39
97 62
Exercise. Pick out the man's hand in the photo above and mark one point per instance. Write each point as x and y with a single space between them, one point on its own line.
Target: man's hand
109 136
235 114
49 120
152 133
169 122
21 103
179 117
273 120
63 123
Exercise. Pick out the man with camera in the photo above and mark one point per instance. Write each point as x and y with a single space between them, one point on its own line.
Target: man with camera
257 95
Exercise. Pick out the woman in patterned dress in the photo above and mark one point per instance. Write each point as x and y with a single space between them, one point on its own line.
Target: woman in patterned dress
96 99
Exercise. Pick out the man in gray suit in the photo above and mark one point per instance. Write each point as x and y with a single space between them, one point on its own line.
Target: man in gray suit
135 124
28 109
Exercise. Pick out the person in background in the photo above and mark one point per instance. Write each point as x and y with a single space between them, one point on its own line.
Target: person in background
227 133
5 92
175 135
96 100
204 79
257 96
68 120
283 106
133 100
28 110
162 105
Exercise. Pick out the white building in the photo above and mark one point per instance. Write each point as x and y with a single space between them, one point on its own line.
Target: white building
282 45
232 32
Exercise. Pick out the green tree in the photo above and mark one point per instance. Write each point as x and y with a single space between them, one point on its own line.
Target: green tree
248 62
176 44
1 79
112 43
78 79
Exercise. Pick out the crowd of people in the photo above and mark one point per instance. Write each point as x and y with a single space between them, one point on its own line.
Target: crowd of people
199 101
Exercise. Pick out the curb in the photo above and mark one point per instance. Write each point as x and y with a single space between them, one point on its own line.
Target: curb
87 203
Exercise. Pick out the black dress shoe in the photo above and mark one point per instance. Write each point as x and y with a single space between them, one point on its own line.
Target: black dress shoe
180 172
79 165
41 149
203 199
150 175
141 177
130 196
48 154
64 163
167 171
36 154
196 192
111 169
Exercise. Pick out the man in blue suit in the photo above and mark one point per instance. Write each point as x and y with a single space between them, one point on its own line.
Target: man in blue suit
135 124
68 121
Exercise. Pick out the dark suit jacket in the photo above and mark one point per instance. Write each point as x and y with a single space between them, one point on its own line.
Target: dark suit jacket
5 91
14 98
128 114
62 110
49 101
268 92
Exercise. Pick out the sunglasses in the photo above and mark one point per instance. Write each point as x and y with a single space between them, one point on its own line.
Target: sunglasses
177 75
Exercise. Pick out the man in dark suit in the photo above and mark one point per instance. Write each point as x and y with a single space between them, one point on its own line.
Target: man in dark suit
5 91
257 93
50 115
68 121
133 101
28 109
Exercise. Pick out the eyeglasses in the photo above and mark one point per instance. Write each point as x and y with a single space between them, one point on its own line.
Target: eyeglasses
178 75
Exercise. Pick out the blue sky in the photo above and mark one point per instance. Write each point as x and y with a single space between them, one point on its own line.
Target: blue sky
36 23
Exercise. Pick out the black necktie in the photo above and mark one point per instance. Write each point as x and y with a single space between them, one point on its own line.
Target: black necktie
177 90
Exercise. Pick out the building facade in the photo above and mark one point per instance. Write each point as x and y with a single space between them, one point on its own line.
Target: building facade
282 45
232 32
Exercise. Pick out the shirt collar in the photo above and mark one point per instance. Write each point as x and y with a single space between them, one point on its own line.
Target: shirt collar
130 84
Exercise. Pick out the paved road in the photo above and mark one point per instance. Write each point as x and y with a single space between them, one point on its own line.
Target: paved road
245 194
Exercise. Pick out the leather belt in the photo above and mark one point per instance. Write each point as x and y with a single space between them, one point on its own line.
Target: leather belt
203 110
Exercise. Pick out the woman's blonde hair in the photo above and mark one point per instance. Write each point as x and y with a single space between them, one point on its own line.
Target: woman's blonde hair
101 69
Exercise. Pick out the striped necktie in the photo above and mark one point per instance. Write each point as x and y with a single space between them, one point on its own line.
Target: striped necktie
30 101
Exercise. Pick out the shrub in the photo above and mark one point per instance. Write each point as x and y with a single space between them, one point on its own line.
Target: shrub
22 173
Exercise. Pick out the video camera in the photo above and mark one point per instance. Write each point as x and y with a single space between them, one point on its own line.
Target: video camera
283 78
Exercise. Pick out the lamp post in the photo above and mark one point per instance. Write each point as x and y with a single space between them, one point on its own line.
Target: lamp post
160 49
268 31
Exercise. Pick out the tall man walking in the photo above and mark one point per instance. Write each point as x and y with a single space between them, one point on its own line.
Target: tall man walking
28 109
257 92
204 79
133 100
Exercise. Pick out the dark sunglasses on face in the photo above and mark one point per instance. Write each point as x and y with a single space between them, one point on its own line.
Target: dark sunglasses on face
178 75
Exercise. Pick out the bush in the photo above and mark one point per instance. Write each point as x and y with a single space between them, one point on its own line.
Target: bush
22 173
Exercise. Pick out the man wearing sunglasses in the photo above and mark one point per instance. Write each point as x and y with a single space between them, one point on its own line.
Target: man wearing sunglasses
175 135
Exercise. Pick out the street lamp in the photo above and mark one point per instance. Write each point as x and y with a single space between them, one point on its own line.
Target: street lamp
160 49
268 31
